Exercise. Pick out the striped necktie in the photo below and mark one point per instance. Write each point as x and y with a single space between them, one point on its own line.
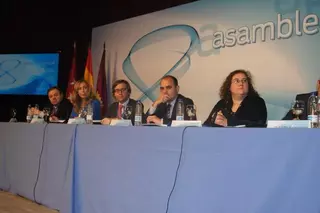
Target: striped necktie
168 109
120 106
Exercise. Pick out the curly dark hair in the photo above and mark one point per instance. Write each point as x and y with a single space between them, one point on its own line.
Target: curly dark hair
225 87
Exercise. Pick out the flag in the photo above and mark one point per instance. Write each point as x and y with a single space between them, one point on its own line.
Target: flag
109 80
114 77
102 83
88 74
72 74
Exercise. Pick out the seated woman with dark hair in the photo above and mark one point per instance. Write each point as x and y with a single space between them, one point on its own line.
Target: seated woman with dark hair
240 103
82 96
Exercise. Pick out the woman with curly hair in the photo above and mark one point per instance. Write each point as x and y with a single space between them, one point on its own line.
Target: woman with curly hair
240 103
83 96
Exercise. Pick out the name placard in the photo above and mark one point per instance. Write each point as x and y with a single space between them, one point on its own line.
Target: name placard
77 121
115 122
37 121
176 123
289 124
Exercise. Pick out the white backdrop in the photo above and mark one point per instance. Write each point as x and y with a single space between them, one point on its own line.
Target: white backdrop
143 49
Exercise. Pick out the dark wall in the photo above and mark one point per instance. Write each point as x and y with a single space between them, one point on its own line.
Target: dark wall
36 27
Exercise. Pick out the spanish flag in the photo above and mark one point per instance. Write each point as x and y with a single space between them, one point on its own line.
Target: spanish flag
88 74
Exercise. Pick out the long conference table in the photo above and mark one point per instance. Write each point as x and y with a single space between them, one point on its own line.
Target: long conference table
95 169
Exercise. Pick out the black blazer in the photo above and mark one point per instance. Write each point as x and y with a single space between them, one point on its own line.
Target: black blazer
113 110
252 113
161 110
303 97
64 110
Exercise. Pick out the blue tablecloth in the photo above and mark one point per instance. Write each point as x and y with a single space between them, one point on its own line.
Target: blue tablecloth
249 171
132 170
23 147
55 178
125 169
89 168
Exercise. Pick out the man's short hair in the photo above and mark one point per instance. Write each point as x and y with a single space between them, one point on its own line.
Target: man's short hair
174 79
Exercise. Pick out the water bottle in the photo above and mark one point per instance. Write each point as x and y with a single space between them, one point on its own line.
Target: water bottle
36 111
29 114
312 111
318 111
138 114
180 111
89 116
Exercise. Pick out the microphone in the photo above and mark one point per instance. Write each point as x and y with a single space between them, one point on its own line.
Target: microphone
214 116
213 119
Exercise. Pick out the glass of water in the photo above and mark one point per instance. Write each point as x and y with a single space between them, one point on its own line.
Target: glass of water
82 112
13 115
126 115
46 114
297 108
191 111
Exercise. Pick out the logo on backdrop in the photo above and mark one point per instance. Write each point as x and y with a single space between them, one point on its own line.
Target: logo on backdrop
177 70
215 40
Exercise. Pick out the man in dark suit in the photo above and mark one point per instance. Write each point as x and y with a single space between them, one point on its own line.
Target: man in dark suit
60 108
303 97
163 110
121 91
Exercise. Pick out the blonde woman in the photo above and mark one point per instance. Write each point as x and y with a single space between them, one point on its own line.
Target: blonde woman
83 96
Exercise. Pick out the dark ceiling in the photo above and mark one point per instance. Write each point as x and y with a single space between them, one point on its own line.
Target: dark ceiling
34 26
29 26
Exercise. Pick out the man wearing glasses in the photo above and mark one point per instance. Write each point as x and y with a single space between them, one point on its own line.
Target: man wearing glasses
163 110
124 107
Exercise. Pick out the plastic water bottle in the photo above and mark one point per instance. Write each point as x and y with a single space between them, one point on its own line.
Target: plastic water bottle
180 111
89 116
138 114
312 111
36 111
29 114
318 111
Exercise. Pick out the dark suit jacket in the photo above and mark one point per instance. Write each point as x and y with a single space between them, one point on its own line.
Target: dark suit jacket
64 110
252 113
303 97
161 110
113 110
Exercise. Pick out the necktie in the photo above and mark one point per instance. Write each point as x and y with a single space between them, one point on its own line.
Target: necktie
54 110
168 109
120 106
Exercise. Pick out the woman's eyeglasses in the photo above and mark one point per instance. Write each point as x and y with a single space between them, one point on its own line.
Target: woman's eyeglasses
237 81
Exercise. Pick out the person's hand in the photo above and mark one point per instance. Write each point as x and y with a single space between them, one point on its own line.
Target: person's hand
54 118
106 121
153 119
163 98
221 120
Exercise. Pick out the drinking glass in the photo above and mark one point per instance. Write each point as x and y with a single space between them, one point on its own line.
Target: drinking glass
191 111
82 113
46 114
127 113
13 115
297 108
